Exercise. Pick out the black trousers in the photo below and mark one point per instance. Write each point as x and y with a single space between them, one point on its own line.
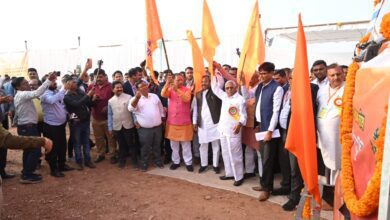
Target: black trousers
127 142
57 156
268 152
3 151
296 179
284 160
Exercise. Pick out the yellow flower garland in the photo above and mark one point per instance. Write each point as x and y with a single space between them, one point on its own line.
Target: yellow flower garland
368 202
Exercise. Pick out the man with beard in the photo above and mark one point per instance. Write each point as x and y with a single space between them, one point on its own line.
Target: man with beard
54 122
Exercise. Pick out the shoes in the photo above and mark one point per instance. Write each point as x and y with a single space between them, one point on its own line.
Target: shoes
159 165
216 170
190 168
226 178
290 205
280 192
5 175
66 168
196 160
167 160
249 175
99 159
202 169
135 166
79 167
174 166
32 179
257 188
144 168
57 173
264 195
113 160
121 165
90 164
239 182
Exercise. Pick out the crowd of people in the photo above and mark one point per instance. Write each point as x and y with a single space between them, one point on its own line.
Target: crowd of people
134 118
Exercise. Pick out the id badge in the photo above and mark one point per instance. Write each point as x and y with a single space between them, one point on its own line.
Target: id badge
323 113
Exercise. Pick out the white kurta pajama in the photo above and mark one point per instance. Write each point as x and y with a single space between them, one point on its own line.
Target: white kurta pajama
328 122
208 133
231 143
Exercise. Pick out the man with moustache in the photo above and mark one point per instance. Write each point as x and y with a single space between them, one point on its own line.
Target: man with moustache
206 114
54 122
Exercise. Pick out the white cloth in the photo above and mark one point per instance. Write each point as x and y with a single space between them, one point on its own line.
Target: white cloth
209 131
277 101
324 82
227 122
204 153
232 157
250 155
148 111
121 116
283 118
328 122
186 150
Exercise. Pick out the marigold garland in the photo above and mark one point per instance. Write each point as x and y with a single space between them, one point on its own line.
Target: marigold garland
306 212
368 202
385 26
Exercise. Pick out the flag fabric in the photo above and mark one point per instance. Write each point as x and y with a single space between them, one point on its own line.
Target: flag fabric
210 38
197 60
153 33
252 52
301 139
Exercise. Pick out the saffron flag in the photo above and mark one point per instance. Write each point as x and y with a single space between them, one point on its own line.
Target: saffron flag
197 60
253 51
301 139
210 38
14 64
153 34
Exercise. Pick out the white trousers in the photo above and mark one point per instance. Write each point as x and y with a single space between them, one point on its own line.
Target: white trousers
250 156
232 157
186 150
204 154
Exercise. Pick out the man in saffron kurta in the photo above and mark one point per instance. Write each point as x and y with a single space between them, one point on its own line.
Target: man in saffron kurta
179 126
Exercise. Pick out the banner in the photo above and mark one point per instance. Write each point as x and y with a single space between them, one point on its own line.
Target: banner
15 64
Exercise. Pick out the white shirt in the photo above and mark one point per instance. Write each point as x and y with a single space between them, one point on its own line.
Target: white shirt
277 100
285 110
148 111
321 84
24 106
228 121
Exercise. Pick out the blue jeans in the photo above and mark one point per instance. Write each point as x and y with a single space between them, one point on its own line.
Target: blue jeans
30 156
80 134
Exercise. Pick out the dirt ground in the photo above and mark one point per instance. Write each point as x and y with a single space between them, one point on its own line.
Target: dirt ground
108 192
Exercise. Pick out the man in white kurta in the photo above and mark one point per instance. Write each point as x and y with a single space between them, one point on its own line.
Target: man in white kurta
329 100
205 117
233 117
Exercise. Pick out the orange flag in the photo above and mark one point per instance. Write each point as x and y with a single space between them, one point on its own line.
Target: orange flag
252 52
153 34
210 38
301 138
197 61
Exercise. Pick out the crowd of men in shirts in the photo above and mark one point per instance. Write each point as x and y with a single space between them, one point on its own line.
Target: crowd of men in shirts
134 119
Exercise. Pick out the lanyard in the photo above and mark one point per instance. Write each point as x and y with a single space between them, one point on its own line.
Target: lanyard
331 96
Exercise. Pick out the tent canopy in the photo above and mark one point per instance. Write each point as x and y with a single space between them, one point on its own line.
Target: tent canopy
322 33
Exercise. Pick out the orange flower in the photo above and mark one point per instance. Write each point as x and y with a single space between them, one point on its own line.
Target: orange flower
385 26
306 212
369 201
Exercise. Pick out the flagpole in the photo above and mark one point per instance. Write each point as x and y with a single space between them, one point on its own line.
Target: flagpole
242 69
25 45
165 52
